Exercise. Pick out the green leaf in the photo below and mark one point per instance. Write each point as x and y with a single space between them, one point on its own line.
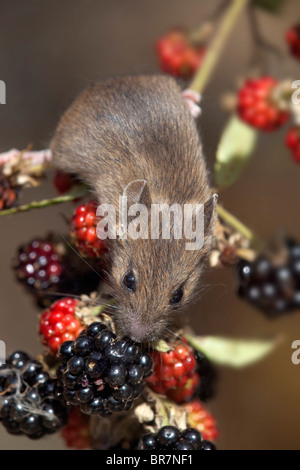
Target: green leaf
232 352
235 148
273 6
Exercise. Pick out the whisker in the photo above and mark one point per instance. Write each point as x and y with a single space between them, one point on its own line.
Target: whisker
61 294
176 335
78 254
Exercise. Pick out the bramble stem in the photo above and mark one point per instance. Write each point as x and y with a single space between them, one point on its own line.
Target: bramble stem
77 192
238 226
205 70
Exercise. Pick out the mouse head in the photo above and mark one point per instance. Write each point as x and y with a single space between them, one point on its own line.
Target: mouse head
153 278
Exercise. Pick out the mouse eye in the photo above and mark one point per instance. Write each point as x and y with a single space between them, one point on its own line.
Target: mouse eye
177 296
129 281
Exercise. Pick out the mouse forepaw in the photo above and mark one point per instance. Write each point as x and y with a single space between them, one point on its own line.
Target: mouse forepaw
192 99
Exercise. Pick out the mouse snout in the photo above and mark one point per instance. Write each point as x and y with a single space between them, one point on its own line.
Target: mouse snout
140 332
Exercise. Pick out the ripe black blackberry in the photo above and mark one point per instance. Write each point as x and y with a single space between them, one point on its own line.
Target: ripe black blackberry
101 374
171 438
31 403
46 266
208 377
272 287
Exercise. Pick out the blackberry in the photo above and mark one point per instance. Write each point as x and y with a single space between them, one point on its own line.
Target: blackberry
47 266
293 40
101 374
272 288
76 433
83 230
257 107
198 417
8 193
63 182
208 377
171 438
175 372
31 402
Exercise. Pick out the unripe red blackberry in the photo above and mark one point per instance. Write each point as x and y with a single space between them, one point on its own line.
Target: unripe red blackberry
59 324
171 438
100 374
292 141
199 418
293 39
256 105
177 56
76 433
31 403
83 231
175 373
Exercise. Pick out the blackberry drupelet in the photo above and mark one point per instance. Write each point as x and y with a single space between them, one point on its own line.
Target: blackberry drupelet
101 374
171 438
31 402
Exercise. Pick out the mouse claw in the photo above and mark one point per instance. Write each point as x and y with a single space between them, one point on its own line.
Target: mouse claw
192 98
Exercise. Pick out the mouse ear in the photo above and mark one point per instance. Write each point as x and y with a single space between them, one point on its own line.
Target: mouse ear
137 191
210 213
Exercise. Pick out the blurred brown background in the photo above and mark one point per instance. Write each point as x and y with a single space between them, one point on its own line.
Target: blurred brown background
50 51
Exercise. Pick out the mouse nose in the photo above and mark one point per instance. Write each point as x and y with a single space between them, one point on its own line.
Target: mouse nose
139 332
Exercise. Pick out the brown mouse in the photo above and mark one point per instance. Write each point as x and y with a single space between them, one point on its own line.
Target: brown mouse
139 128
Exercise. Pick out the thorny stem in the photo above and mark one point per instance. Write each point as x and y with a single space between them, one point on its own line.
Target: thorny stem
211 57
238 226
76 192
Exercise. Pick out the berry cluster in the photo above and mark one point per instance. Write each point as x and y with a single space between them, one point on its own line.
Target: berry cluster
177 56
293 39
271 288
199 418
171 438
76 433
208 376
30 401
256 105
59 324
175 373
83 231
45 266
8 193
101 374
38 264
292 141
